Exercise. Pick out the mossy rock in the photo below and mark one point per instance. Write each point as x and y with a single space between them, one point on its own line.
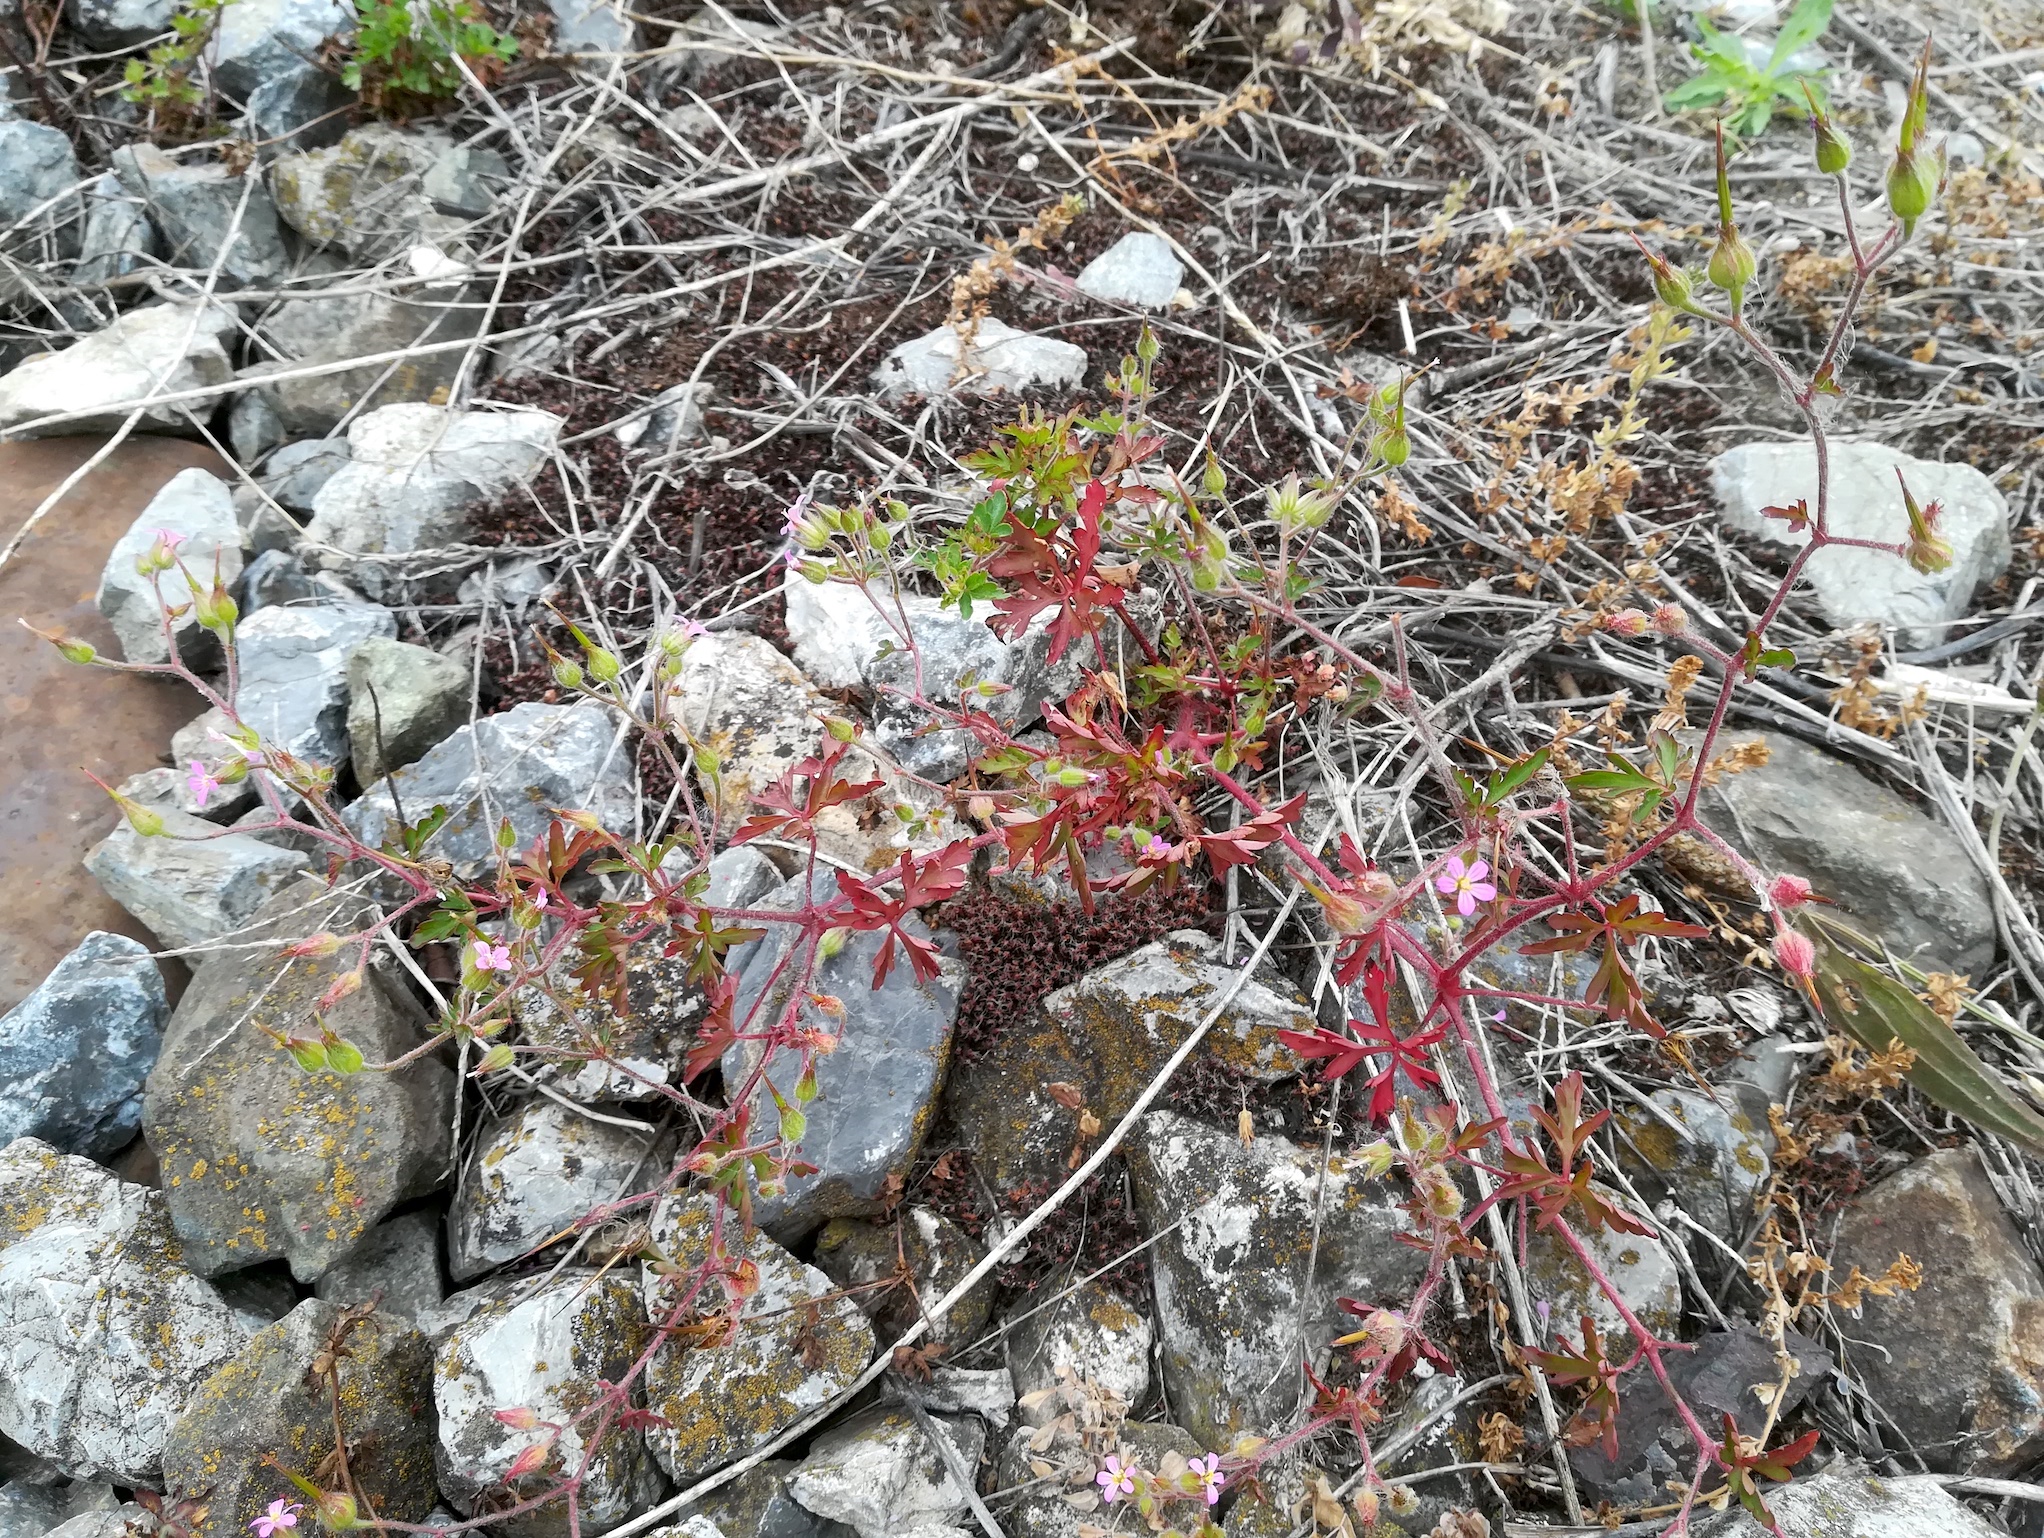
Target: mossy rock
855 1254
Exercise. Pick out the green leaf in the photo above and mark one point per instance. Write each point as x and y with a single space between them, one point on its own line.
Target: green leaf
1805 25
1702 90
1875 1010
1503 784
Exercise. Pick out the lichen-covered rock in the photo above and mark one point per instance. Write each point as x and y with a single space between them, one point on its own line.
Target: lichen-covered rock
1639 1267
397 1264
1715 1165
876 1094
532 1174
104 1333
75 1052
997 359
190 884
879 1474
157 350
1959 1363
403 701
209 214
1065 1466
594 1052
522 764
1231 1279
757 1505
1106 1036
261 1158
364 194
721 1400
857 1255
752 708
1849 1501
197 507
543 1348
273 1401
1092 1338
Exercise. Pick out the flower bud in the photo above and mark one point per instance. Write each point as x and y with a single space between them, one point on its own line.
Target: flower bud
520 1419
1834 153
1216 479
1928 551
1629 622
832 942
1668 619
1786 892
1798 957
1912 183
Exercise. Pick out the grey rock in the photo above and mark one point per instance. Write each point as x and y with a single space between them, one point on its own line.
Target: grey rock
295 472
154 350
1955 1363
120 23
1108 1035
207 214
258 40
416 472
1139 269
264 525
277 578
398 1263
118 237
198 506
1640 1268
1091 1338
520 764
158 350
876 1092
720 1401
262 1158
31 1510
586 1049
1000 358
74 1053
466 182
330 328
1861 586
675 418
364 194
293 683
190 885
514 585
270 1405
1849 1501
536 1172
299 108
37 167
1714 1160
1231 1279
403 700
878 1473
104 1333
1066 1465
110 1522
859 1255
1859 844
757 1505
592 26
543 1348
987 1392
254 426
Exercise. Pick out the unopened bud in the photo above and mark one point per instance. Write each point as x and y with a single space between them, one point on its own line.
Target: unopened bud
1786 892
521 1419
1629 622
1834 153
1798 957
1670 620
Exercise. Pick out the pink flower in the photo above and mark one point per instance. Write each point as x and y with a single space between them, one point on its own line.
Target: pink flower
201 780
170 539
694 629
1210 1477
1798 957
539 897
1155 847
1626 622
282 1514
492 958
1466 884
1115 1481
1787 892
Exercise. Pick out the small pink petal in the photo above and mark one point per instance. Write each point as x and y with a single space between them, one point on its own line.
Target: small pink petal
1484 891
1465 904
1456 867
1478 870
1444 884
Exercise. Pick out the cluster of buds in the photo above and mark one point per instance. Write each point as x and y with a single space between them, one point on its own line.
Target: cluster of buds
1295 508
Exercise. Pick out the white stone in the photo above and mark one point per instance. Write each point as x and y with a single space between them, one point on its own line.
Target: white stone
197 505
592 26
1000 358
159 350
1857 586
104 1335
878 1473
1847 1501
535 1173
257 39
1093 1336
1139 269
190 884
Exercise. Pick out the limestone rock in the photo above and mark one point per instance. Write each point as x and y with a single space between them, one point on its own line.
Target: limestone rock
1885 863
592 27
876 1093
879 1474
257 40
1231 1280
364 194
1714 1166
29 1510
1092 1337
158 350
757 1505
74 1053
294 666
209 215
199 507
1139 269
261 1158
402 701
295 472
543 1348
397 1262
37 167
1858 586
722 1400
857 1254
999 359
1107 1035
118 236
1959 1363
110 1522
520 764
330 328
104 1334
1639 1267
271 1402
190 884
592 1052
1847 1501
533 1174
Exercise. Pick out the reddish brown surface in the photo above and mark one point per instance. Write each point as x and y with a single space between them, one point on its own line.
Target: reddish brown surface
57 720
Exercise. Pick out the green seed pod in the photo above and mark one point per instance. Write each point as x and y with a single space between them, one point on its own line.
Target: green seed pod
310 1054
1215 481
604 666
567 674
1834 153
1912 184
1732 264
344 1057
76 651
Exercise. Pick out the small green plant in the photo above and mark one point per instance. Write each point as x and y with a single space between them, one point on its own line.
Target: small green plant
1748 96
169 81
403 58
